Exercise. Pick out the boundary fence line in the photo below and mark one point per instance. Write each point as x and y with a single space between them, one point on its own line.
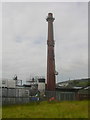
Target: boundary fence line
22 95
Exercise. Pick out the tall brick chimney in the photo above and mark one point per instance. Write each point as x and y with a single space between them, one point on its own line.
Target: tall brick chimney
50 55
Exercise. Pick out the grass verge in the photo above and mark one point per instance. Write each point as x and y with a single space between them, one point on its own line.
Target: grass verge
63 109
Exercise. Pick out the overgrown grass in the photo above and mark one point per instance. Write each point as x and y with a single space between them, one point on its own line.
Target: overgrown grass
65 109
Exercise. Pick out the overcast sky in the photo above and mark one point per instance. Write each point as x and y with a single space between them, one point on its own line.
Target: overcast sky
25 39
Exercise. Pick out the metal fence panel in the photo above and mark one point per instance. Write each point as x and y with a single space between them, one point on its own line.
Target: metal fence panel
22 95
60 95
11 92
4 92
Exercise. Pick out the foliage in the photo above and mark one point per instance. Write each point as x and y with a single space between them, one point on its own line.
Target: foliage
79 83
61 109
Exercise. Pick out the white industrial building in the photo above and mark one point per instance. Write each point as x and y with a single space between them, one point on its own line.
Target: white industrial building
8 83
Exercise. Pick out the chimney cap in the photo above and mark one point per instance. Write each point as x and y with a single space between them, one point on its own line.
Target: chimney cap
50 14
50 17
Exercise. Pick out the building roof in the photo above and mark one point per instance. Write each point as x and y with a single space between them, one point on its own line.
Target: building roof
67 89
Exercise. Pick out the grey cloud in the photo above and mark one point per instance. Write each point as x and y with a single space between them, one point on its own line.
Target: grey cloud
25 39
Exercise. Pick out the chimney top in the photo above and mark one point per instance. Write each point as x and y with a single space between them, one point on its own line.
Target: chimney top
50 14
50 17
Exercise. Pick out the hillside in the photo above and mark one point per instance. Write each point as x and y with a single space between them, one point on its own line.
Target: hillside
75 83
